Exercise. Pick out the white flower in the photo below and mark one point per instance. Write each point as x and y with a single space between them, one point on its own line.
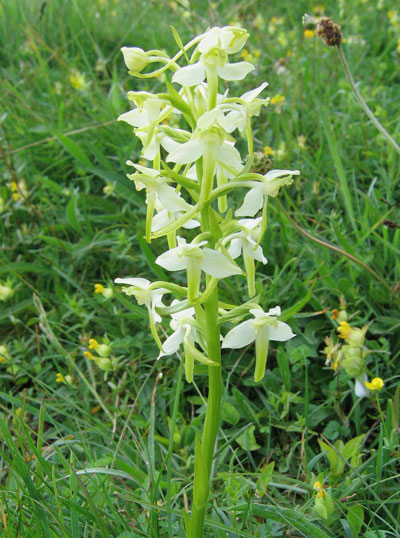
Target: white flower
215 46
187 255
241 113
195 259
269 186
151 180
263 328
182 327
139 287
146 118
243 243
360 389
209 137
147 111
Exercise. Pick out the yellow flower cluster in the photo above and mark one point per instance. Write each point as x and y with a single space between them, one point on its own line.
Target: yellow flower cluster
102 358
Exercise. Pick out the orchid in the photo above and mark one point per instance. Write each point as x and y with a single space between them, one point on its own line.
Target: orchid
204 239
244 243
195 259
214 47
185 332
269 185
263 328
152 298
157 189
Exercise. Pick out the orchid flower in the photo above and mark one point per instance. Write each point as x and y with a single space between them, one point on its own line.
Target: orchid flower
184 333
241 113
157 189
268 186
140 288
195 259
244 243
263 328
214 47
146 118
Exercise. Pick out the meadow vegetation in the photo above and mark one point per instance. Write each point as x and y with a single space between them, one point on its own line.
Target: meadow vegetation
97 437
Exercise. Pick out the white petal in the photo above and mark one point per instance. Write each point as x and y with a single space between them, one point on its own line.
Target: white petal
144 170
359 388
240 336
229 155
281 333
191 75
216 264
142 283
172 343
252 94
251 252
211 39
235 71
187 152
235 248
171 261
276 311
160 220
235 119
272 174
253 202
171 200
135 117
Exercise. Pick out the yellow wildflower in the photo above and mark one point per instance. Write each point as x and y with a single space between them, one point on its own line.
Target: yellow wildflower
93 343
89 355
308 33
344 329
78 80
320 490
268 150
60 378
277 99
99 288
319 10
376 384
335 313
106 292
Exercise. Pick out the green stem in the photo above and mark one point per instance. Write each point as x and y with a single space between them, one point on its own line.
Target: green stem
362 102
211 422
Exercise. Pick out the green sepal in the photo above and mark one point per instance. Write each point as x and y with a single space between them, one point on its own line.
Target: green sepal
324 506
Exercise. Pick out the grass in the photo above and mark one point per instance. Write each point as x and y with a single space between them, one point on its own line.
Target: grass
111 454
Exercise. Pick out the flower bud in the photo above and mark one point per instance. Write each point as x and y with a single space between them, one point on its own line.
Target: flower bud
5 292
353 362
135 58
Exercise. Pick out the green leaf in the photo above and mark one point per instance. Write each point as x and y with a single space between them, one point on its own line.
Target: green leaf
230 414
75 150
246 440
72 213
294 519
266 475
355 518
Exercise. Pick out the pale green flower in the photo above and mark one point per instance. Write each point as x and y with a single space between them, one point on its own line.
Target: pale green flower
261 329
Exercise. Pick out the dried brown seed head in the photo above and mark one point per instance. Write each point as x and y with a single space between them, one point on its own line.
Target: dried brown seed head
329 31
261 163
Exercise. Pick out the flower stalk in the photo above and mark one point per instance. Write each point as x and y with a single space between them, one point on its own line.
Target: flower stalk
189 203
